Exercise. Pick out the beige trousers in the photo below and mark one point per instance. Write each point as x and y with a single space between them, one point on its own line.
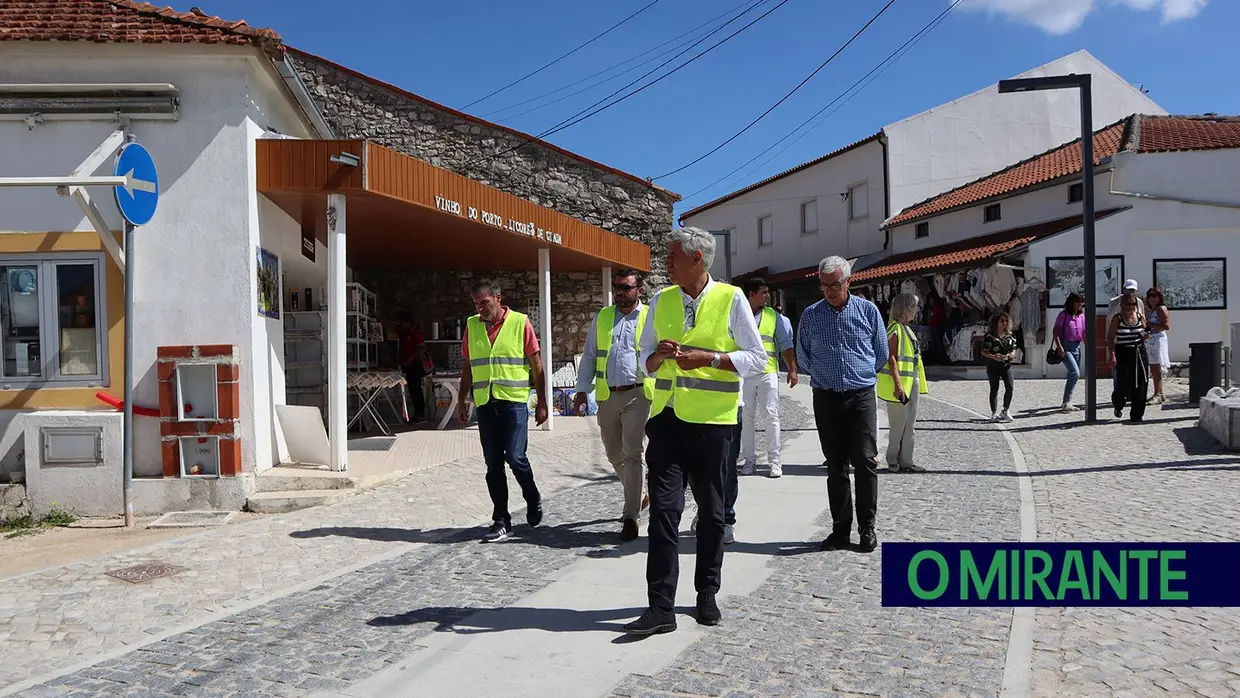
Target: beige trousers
622 420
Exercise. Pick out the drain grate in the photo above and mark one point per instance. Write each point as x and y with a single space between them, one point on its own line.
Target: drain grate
141 574
191 519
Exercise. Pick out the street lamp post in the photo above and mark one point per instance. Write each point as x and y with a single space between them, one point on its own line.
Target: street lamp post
1082 83
727 251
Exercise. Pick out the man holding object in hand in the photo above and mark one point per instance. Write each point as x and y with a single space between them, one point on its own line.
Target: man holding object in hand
699 340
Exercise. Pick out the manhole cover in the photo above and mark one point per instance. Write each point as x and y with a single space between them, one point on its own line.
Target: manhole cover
190 519
140 574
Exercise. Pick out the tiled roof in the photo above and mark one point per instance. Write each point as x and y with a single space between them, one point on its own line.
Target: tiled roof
781 175
1141 133
123 21
969 251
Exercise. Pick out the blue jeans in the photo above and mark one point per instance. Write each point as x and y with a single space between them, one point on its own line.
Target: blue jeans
503 427
1071 361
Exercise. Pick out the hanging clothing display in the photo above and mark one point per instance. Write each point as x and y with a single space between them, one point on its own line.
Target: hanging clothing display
960 348
1031 307
1014 311
1000 285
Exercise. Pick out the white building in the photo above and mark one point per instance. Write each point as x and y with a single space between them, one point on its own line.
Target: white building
246 173
837 204
1168 215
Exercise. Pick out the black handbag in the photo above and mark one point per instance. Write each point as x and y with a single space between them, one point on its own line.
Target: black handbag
1053 357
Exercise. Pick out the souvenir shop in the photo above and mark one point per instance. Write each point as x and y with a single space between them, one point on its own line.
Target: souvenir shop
958 302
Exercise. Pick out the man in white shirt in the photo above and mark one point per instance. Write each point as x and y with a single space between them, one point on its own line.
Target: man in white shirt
762 391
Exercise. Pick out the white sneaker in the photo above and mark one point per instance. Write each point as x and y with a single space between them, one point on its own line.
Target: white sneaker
994 417
776 470
729 534
1069 407
747 468
1005 416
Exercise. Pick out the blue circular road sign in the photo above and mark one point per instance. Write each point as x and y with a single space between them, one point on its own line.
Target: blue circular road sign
139 195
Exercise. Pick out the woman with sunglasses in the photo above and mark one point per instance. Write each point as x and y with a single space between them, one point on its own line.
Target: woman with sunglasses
1158 321
1126 337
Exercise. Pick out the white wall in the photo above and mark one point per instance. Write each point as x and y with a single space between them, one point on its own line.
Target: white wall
1037 206
1165 230
955 143
194 264
782 200
1200 175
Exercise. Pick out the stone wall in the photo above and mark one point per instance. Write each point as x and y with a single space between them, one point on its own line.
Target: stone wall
357 107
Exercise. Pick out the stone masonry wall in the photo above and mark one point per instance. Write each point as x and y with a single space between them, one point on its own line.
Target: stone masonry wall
356 107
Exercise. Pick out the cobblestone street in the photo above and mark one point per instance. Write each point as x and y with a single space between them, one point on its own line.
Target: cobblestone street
330 601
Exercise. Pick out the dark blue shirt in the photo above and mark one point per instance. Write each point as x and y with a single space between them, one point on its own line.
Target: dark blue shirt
842 349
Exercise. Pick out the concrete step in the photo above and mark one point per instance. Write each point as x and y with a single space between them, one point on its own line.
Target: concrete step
276 480
284 502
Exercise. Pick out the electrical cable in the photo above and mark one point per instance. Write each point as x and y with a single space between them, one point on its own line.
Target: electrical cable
783 99
609 69
868 78
596 37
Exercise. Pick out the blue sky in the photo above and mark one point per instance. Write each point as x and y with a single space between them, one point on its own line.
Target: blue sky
1182 51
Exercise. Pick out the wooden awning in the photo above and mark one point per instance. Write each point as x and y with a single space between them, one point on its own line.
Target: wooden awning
403 213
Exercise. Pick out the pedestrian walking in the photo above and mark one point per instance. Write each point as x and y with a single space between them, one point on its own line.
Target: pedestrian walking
415 362
1158 321
1067 335
901 383
699 340
999 350
609 367
761 392
842 344
1126 336
1116 307
499 358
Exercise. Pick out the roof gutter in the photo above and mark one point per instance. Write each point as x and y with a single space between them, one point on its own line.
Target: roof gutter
293 81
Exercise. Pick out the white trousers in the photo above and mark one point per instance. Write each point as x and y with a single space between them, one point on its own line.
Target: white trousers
761 393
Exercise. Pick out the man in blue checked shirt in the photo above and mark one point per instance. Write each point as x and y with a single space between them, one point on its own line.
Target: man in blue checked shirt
842 345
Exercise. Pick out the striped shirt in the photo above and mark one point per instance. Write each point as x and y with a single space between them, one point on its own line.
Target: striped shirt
1129 335
842 349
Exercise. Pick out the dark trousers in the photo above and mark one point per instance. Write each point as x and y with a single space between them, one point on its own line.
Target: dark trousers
1131 381
998 371
414 373
504 429
678 452
731 476
846 423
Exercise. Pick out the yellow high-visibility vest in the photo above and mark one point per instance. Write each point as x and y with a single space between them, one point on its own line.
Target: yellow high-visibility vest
500 370
703 395
766 328
905 360
603 326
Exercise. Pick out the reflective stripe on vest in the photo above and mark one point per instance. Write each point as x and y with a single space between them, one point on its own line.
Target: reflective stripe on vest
604 325
766 328
704 395
908 363
500 370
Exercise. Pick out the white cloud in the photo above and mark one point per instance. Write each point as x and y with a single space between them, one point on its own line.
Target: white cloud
1065 16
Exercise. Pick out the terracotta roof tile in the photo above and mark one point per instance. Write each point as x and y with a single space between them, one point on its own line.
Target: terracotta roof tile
1141 133
965 252
123 21
740 192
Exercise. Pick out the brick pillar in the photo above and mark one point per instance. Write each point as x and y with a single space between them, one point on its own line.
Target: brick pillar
228 395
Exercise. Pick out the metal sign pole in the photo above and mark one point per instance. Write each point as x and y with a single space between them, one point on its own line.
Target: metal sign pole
128 423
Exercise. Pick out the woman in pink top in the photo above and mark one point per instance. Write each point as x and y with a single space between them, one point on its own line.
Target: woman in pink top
1069 332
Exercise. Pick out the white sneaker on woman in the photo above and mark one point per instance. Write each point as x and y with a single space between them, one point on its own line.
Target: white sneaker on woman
1005 416
1069 407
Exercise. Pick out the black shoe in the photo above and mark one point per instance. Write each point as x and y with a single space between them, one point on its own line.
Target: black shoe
707 610
836 541
869 541
652 622
629 531
499 531
534 515
1119 412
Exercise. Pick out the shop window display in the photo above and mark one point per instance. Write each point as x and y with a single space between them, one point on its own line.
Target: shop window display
49 317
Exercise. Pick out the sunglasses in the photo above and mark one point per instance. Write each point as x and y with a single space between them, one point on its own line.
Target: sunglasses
622 287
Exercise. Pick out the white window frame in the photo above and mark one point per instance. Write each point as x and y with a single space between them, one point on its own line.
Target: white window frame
852 201
49 320
770 242
804 230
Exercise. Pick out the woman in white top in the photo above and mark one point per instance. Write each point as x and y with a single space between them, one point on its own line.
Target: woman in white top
1159 321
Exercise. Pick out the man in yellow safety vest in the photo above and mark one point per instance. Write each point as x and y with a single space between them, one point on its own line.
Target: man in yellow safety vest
499 358
610 368
699 340
762 391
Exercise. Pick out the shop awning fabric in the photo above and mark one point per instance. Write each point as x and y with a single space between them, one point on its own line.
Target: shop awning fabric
404 213
969 253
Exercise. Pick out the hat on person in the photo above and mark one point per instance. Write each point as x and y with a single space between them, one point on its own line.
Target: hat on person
1131 284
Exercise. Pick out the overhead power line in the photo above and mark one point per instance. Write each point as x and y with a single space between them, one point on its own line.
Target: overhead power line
609 69
783 99
596 37
858 86
592 111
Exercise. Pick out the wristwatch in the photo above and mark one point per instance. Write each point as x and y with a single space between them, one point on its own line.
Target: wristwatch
715 360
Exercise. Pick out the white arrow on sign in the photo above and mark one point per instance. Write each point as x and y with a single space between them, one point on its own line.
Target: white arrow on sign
132 183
